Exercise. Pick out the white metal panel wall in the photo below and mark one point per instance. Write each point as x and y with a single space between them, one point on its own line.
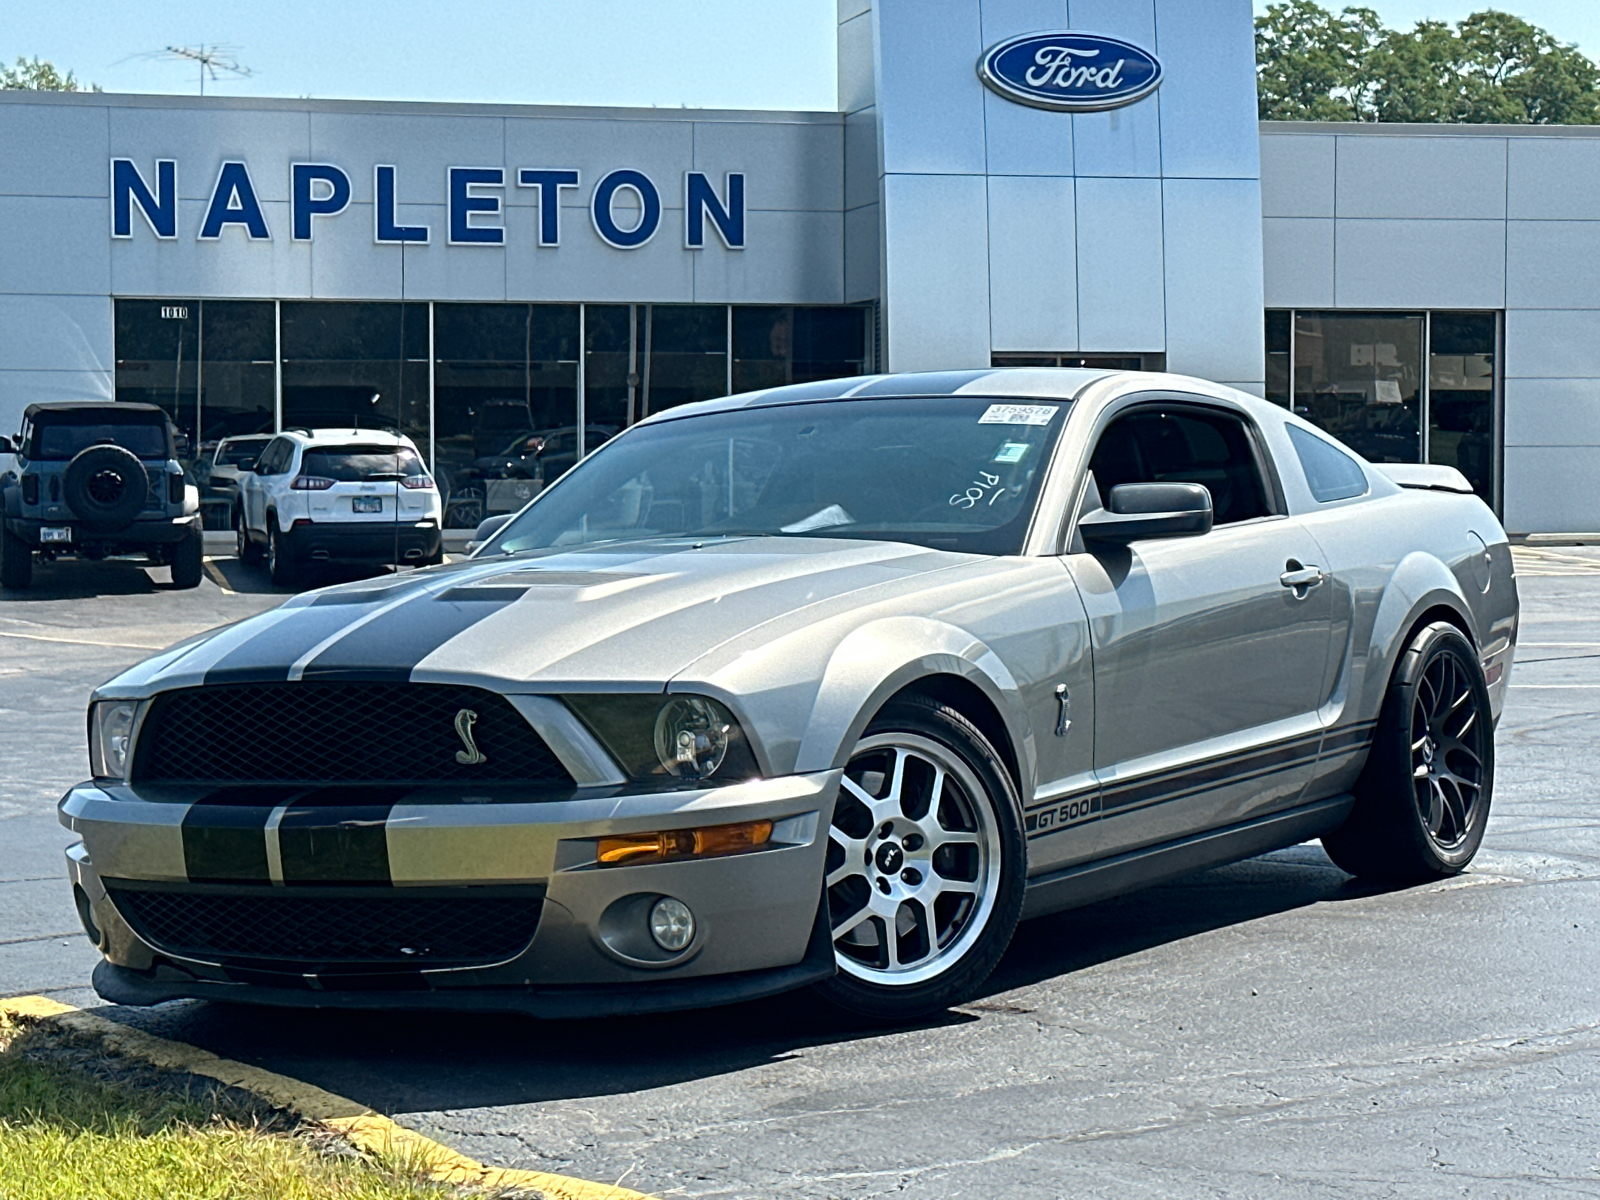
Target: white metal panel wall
1462 217
61 266
936 122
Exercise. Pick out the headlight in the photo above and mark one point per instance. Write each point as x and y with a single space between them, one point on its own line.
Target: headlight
669 737
111 725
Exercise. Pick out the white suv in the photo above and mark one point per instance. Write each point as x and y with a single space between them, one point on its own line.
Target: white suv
337 496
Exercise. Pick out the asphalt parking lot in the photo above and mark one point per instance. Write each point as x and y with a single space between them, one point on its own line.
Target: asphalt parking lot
1267 1029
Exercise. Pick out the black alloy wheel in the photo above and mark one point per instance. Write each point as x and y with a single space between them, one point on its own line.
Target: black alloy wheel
1422 800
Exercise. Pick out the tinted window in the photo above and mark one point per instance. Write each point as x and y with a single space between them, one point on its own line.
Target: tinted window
1184 445
352 464
52 441
1331 473
950 473
231 454
275 459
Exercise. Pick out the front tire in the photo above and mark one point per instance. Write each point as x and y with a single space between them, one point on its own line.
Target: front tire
244 549
188 560
279 569
16 561
1422 801
926 864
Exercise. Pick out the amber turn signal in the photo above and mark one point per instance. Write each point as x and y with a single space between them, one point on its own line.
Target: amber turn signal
632 849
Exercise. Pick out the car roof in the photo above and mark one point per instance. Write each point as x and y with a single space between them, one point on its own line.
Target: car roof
121 406
344 435
1001 383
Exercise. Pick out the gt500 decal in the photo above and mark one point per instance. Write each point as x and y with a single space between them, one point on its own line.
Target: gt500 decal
1067 812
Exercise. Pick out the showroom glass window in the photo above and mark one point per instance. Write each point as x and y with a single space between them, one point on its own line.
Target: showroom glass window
357 364
1395 387
773 346
505 385
158 358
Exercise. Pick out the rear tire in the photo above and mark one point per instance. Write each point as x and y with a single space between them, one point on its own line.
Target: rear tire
279 569
246 550
926 864
1422 801
16 561
188 560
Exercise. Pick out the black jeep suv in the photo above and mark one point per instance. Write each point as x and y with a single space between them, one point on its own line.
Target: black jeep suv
96 478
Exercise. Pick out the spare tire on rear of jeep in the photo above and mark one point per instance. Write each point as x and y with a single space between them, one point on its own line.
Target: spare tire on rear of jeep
106 487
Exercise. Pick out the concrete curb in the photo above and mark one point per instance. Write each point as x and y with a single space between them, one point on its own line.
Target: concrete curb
362 1127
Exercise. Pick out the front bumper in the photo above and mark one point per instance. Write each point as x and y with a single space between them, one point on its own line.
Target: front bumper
363 541
588 951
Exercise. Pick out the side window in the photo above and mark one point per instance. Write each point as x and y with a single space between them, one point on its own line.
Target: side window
1184 445
275 459
1331 473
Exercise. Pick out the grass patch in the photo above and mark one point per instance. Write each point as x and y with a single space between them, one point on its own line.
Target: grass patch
75 1123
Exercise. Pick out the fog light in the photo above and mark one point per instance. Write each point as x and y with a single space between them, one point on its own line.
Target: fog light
671 924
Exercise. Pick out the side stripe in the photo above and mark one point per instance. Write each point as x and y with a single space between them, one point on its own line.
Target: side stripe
1062 812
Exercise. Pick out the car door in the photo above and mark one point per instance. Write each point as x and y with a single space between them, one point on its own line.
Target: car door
271 463
1209 650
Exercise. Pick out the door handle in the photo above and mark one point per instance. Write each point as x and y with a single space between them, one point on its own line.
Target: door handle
1301 579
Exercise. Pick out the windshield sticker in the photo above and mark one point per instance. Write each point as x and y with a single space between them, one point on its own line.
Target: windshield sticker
1017 414
823 519
1011 452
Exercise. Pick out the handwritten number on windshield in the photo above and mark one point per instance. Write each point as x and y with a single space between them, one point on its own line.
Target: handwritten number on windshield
985 489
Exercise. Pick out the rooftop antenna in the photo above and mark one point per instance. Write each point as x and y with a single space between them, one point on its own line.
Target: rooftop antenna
210 59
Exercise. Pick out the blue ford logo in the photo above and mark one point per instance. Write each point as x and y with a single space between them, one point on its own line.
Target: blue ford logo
1074 72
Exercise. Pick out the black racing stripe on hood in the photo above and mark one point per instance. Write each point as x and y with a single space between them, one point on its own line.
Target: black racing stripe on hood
329 844
388 647
267 657
226 843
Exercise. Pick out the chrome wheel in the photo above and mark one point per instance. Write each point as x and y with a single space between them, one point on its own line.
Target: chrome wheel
914 857
1447 749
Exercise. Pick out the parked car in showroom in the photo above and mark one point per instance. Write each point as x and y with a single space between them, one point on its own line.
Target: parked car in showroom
337 496
97 479
822 685
505 481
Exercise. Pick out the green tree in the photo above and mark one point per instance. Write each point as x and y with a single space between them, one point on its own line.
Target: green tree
39 76
1491 67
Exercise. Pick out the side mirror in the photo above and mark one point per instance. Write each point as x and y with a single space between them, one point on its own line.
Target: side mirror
1149 510
6 447
487 529
180 446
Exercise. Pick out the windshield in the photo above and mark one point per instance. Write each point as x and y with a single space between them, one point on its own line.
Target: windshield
147 440
232 453
352 464
950 473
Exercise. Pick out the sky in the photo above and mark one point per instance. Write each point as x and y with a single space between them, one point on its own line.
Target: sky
700 53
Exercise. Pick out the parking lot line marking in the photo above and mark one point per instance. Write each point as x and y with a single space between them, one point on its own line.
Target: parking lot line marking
39 637
364 1128
1547 686
216 576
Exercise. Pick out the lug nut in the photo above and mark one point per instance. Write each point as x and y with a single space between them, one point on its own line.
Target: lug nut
911 875
912 841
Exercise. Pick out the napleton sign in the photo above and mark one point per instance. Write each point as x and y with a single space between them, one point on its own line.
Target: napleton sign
475 204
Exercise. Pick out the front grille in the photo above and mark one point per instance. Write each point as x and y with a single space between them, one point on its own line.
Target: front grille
315 733
308 933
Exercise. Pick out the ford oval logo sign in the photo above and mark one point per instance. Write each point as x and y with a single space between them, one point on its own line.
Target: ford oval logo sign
1072 72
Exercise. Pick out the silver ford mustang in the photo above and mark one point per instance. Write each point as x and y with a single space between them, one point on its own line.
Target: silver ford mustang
825 685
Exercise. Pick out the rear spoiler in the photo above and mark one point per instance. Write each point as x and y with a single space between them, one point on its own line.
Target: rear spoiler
1426 477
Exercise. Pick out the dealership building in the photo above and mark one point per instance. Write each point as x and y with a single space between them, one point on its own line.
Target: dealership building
473 274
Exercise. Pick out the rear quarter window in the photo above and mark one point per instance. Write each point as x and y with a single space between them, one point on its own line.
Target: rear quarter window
1330 472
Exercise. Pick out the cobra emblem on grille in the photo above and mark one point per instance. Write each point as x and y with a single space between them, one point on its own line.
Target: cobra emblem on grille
471 756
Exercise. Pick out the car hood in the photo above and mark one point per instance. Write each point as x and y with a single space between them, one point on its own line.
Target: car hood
628 615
